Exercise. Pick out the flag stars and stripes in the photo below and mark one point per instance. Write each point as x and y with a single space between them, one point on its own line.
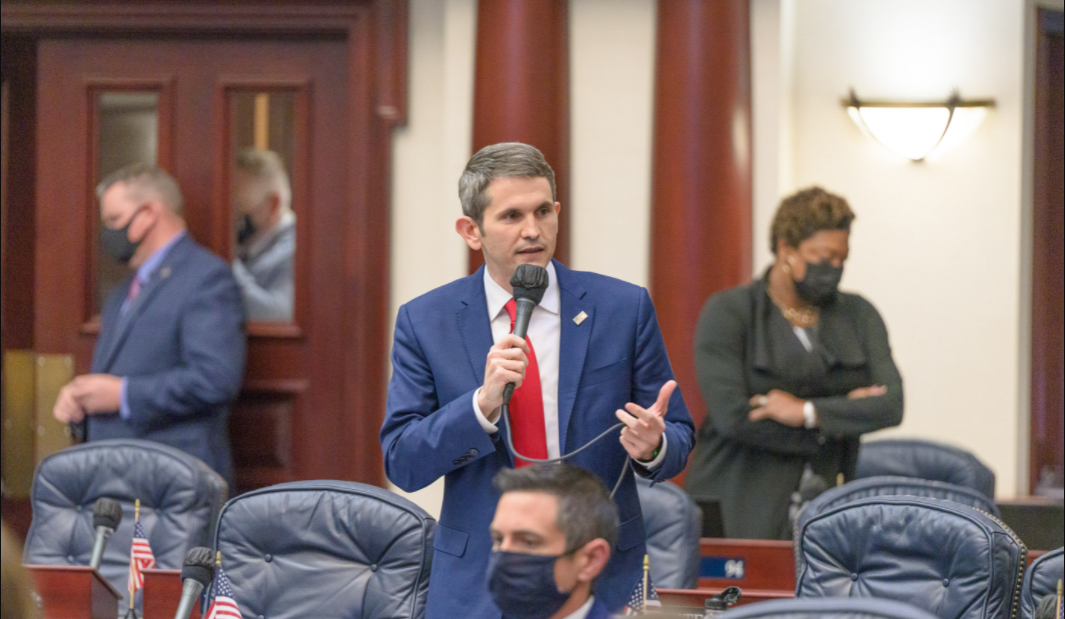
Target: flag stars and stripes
141 558
223 606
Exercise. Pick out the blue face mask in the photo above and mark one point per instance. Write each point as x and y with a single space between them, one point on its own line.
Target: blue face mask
523 586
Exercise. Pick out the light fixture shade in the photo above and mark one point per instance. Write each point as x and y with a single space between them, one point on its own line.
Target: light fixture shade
916 130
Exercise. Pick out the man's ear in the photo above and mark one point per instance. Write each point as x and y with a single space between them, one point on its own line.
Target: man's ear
274 200
595 555
469 231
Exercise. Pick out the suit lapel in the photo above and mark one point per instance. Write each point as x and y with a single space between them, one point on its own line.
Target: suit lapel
474 324
573 347
136 307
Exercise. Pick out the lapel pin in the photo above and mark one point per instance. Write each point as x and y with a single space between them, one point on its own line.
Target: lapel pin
165 273
580 318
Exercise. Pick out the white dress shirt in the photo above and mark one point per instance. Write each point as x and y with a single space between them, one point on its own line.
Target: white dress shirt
582 612
545 334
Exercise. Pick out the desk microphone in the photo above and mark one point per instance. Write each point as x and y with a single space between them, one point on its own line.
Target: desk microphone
530 283
106 516
196 575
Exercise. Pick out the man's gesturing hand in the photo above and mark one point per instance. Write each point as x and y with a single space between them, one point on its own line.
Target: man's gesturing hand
506 363
642 435
67 409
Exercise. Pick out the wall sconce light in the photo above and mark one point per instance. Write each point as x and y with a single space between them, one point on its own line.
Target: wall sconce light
916 129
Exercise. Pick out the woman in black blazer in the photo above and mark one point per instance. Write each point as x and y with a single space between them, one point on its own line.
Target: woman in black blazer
792 371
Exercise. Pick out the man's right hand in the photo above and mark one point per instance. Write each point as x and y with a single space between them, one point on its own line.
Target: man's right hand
67 409
506 363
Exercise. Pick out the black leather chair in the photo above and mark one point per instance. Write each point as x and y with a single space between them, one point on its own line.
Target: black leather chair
1041 580
831 609
180 501
893 486
925 460
673 523
946 558
328 550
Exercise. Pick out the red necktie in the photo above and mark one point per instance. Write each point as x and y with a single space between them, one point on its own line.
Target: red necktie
527 408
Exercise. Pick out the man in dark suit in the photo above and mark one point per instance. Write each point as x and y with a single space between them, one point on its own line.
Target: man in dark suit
170 356
551 538
593 357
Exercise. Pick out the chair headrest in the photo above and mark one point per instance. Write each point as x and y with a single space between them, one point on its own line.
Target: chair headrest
180 500
1042 580
939 555
925 460
830 608
328 550
895 486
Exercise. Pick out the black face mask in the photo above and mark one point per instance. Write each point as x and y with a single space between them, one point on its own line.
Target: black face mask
821 283
523 586
245 229
116 241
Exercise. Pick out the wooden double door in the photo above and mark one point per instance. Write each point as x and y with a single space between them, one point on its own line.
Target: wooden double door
188 88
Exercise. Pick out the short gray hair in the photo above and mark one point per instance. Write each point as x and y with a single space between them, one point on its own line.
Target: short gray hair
506 160
585 510
266 168
144 180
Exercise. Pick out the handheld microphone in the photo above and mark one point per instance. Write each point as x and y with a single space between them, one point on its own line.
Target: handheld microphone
530 283
196 575
106 516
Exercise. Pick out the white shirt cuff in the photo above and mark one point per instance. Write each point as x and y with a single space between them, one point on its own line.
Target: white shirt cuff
486 425
657 462
809 414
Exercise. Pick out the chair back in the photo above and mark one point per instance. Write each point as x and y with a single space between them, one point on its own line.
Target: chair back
946 558
855 608
894 486
925 460
673 523
328 550
1041 580
180 500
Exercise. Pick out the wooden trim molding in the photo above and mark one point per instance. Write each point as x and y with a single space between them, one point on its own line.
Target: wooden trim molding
521 88
702 185
1048 298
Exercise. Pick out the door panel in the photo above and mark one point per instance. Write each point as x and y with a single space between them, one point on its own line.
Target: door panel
285 425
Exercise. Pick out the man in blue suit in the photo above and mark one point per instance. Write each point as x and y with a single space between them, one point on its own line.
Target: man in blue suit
595 357
170 356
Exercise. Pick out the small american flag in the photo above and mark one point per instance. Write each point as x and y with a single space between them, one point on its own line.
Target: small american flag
223 606
141 558
635 606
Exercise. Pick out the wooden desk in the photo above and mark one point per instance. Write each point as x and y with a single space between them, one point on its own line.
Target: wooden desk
162 594
756 565
74 592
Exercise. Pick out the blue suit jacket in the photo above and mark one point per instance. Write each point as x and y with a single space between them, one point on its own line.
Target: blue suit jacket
613 357
181 346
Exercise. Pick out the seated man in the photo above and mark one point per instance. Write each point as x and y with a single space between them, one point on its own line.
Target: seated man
266 236
552 534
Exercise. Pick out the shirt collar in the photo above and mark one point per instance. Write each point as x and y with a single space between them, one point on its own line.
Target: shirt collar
582 612
144 273
498 298
288 220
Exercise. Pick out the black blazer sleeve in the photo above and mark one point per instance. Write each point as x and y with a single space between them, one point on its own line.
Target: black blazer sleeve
721 366
843 418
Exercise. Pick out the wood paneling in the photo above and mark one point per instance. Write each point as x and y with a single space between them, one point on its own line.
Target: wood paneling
1048 273
521 88
74 592
702 194
354 89
19 60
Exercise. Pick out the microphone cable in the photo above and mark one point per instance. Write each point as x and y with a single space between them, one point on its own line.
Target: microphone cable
508 438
